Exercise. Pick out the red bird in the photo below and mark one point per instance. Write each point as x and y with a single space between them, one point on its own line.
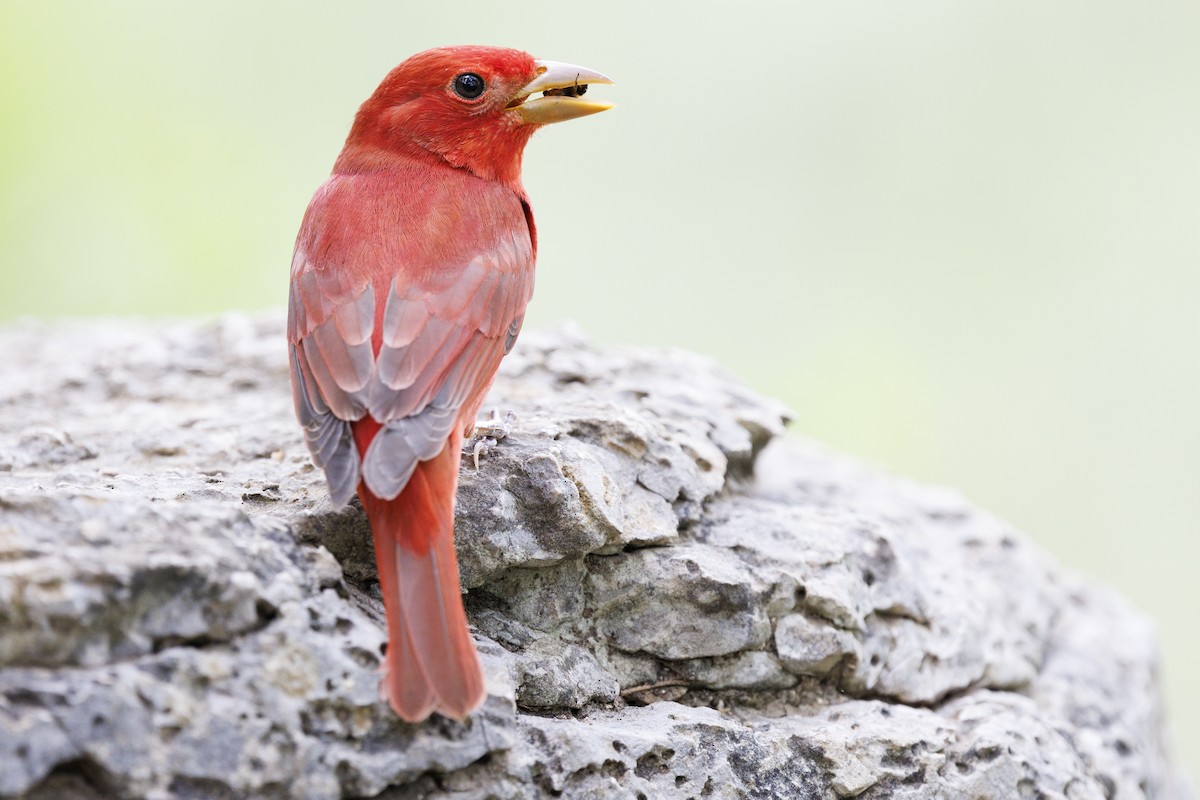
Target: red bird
413 267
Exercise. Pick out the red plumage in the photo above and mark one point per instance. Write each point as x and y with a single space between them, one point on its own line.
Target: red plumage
413 267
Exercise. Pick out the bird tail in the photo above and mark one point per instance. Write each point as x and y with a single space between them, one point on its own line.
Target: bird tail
431 660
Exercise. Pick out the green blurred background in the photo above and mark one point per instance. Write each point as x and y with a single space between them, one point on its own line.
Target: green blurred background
958 237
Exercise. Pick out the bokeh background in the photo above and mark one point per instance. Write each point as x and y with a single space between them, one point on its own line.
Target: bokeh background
961 238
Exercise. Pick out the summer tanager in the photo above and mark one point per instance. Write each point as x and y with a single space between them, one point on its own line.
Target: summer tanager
412 270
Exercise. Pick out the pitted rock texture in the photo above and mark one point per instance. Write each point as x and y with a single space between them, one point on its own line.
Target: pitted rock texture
664 609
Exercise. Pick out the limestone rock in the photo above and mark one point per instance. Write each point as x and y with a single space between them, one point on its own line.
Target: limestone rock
664 609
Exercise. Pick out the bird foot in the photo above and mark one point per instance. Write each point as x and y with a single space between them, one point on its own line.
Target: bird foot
489 432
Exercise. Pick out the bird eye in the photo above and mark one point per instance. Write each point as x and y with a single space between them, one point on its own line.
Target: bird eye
469 85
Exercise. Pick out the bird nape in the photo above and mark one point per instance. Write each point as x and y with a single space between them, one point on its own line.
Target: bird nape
412 270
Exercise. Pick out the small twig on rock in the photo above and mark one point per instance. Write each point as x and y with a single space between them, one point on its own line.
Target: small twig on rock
650 687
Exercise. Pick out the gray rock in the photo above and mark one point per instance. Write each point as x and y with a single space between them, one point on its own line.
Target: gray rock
663 608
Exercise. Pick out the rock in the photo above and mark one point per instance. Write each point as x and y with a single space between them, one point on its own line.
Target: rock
663 608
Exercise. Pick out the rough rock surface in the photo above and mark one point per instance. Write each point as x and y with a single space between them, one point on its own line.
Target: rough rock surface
663 613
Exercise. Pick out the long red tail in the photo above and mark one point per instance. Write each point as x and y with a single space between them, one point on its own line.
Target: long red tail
431 659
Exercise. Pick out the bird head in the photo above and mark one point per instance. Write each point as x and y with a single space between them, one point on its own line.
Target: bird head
470 107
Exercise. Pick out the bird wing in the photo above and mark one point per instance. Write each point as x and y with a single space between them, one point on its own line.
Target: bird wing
413 346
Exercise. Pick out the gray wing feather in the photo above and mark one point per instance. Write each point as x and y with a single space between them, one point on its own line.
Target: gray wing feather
329 438
401 444
513 331
398 368
348 364
341 365
479 360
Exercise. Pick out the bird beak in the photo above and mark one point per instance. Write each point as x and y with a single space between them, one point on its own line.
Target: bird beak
564 85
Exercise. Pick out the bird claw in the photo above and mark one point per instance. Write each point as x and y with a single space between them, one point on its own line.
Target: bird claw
489 432
483 446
